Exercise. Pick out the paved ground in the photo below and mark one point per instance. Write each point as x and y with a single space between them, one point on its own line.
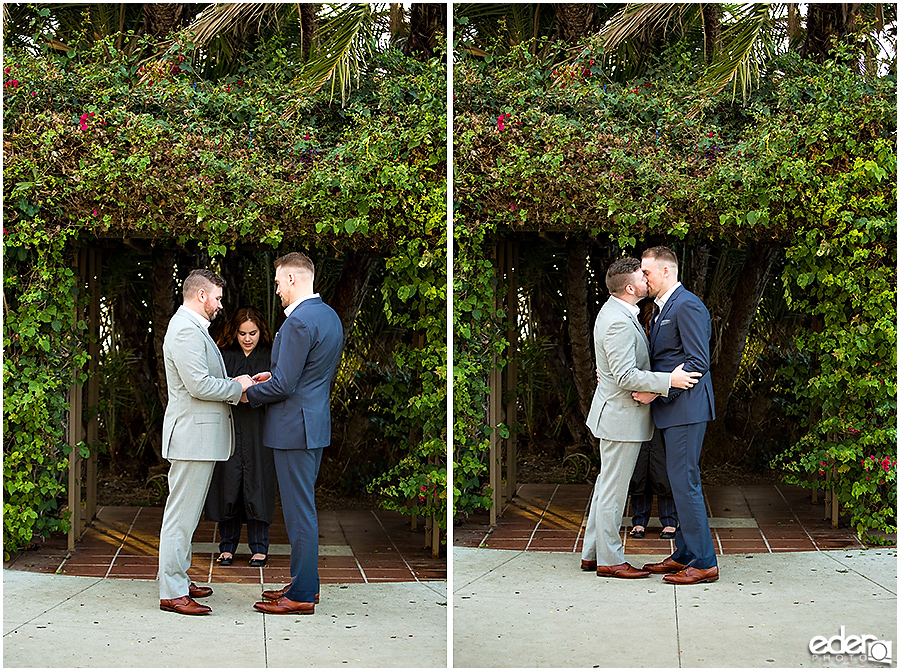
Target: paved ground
747 518
383 600
74 621
538 609
355 546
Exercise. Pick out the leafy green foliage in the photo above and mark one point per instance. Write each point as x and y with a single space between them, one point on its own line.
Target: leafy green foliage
98 145
809 163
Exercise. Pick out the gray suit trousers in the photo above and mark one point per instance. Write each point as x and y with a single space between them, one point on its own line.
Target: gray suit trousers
188 485
602 542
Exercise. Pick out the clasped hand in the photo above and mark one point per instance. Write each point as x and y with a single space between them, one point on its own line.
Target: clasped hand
681 379
247 382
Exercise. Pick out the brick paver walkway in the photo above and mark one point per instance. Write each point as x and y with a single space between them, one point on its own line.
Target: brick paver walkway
355 546
743 519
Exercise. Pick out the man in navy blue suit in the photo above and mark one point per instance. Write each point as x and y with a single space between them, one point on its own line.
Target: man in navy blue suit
297 395
680 333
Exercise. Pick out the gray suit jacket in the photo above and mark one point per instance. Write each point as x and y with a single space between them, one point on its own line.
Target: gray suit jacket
623 361
197 425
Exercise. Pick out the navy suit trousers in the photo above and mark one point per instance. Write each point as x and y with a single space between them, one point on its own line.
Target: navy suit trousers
297 471
693 539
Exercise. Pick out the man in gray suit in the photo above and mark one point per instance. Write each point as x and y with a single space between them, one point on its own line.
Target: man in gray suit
620 422
197 432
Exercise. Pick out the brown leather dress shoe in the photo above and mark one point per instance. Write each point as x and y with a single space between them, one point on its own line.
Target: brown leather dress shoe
275 594
588 565
667 565
184 605
625 570
199 592
285 606
691 575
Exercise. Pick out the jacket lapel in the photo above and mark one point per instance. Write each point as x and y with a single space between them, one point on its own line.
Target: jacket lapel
187 313
630 315
654 331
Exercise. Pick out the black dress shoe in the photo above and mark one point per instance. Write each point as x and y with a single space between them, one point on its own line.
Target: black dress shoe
258 562
224 561
637 534
667 535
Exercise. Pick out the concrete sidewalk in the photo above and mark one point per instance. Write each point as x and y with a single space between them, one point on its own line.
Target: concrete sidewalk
538 609
72 621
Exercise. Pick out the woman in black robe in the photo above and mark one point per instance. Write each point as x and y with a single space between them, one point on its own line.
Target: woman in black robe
243 488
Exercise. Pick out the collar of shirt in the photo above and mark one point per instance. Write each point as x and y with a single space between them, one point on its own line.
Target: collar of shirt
661 300
204 322
290 308
633 309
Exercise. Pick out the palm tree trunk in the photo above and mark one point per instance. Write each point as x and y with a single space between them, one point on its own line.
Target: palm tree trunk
550 327
426 22
750 285
578 322
826 23
352 285
162 305
748 291
161 18
712 29
398 25
573 21
309 25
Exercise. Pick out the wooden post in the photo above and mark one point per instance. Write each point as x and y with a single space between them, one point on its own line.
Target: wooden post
75 434
435 527
834 504
494 409
93 401
512 365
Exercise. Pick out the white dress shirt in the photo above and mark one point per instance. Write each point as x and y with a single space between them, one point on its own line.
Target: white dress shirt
661 300
204 322
633 309
293 306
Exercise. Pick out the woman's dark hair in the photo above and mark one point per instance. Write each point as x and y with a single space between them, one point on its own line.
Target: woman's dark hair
247 314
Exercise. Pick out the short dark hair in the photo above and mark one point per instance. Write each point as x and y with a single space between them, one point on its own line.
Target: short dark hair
199 279
661 254
619 274
296 261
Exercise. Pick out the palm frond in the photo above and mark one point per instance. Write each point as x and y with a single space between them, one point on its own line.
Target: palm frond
351 32
491 22
643 20
223 19
743 50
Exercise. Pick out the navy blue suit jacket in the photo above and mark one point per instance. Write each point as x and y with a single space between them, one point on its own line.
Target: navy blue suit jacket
681 334
305 355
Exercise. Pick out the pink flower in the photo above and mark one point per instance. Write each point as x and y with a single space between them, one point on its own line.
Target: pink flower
512 207
95 213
